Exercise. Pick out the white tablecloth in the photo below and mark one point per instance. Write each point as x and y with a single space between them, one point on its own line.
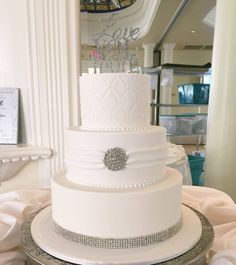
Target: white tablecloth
177 158
218 207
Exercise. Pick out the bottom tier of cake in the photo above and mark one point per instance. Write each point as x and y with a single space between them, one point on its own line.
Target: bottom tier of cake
185 247
122 218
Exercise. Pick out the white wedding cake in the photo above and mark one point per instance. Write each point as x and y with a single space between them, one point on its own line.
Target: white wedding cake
116 202
117 191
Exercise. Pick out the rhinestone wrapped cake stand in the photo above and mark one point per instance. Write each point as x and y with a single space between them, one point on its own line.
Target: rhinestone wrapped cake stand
194 256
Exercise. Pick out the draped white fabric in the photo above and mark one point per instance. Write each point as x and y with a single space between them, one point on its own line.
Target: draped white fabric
220 210
217 206
15 207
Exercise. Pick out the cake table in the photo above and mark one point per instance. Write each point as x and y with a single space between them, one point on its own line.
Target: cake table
195 256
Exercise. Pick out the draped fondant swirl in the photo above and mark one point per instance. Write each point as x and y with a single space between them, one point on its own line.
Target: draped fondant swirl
146 157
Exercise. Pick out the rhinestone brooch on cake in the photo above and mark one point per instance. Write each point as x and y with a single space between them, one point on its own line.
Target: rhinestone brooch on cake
115 159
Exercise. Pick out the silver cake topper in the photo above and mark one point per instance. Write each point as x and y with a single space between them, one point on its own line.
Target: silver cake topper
112 45
115 159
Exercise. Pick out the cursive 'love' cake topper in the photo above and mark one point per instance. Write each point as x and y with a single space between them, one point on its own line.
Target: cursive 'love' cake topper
112 46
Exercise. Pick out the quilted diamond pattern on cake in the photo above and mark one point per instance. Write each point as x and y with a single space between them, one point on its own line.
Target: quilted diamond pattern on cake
128 101
101 86
125 102
118 83
123 119
100 112
109 101
114 101
135 114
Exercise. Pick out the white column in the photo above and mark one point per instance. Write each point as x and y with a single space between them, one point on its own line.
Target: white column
53 71
221 133
167 77
167 52
148 54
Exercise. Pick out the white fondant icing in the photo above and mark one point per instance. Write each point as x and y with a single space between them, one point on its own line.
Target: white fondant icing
62 248
142 197
146 150
115 212
115 101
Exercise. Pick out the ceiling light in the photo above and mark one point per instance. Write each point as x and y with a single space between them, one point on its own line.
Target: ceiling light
193 31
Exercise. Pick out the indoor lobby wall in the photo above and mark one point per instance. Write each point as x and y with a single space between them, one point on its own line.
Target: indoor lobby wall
39 55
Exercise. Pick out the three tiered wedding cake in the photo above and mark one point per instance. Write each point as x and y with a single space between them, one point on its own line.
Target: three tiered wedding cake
117 192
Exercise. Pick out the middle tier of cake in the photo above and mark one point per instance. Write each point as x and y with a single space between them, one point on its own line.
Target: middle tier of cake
116 159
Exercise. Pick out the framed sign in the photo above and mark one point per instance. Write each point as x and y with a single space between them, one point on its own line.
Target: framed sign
9 115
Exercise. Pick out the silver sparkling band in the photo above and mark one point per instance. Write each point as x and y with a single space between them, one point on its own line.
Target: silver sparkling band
117 243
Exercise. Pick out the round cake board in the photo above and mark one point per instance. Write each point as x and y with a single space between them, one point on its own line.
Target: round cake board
69 251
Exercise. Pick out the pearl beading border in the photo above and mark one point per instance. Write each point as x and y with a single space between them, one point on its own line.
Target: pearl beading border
117 243
124 186
128 129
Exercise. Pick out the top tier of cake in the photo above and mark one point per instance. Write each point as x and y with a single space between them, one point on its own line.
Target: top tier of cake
115 102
